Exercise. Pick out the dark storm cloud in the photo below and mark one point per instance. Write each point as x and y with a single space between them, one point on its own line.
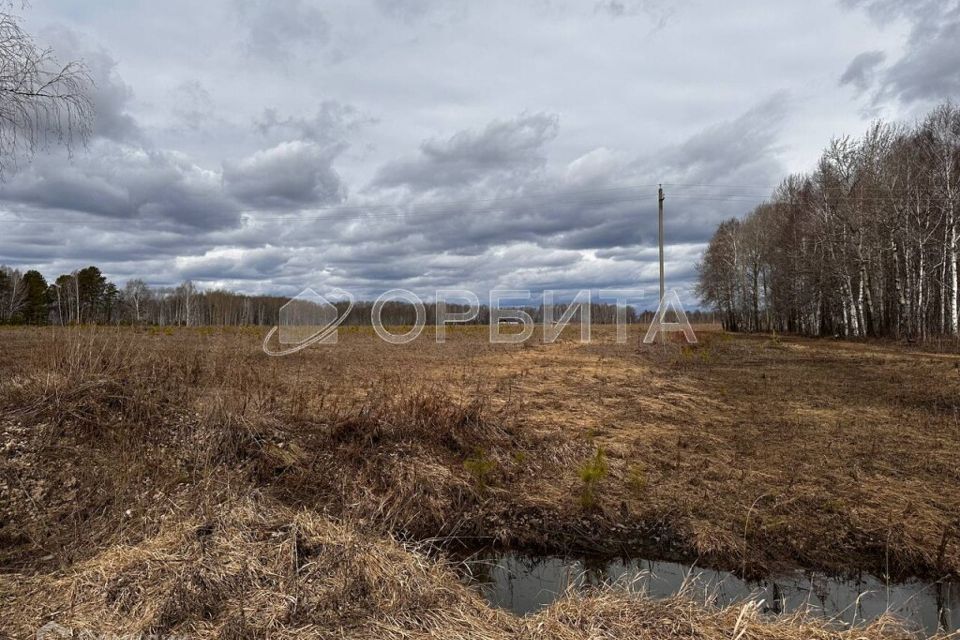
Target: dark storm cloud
276 29
289 175
929 68
862 69
123 249
124 181
503 148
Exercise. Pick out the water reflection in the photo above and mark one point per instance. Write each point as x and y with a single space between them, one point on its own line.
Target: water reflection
524 584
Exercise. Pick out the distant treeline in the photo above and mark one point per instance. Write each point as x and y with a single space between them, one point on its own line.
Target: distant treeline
866 245
87 297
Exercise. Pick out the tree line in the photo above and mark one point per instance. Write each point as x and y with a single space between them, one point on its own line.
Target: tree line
865 245
87 297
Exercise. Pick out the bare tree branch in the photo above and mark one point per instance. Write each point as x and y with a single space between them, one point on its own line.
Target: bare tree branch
42 102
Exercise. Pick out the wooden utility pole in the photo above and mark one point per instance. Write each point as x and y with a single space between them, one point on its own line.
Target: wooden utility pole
660 219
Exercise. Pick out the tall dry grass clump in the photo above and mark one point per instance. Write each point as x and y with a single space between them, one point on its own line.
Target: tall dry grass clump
254 569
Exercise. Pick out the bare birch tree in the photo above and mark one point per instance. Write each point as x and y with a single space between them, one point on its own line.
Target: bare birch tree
865 245
42 101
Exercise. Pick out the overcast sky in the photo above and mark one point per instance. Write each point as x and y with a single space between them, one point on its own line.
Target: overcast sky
270 145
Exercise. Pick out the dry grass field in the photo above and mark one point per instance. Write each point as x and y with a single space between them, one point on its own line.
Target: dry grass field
181 482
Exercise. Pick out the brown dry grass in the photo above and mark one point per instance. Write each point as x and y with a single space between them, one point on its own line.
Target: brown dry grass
155 482
258 570
761 453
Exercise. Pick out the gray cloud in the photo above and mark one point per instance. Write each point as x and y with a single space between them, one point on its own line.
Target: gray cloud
929 68
862 69
502 148
414 12
276 29
598 201
221 122
885 11
291 174
111 94
406 10
193 105
737 152
122 181
658 11
332 123
236 264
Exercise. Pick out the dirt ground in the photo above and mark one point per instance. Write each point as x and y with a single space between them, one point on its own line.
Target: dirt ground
750 453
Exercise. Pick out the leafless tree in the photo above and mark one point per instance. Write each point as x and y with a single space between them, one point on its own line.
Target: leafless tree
12 293
135 294
865 245
42 101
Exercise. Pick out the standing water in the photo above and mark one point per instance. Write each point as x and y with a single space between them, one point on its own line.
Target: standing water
524 584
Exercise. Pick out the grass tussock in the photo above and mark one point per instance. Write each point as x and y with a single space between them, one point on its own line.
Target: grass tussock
254 569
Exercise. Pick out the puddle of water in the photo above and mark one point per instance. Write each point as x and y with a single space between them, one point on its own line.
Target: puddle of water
524 584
